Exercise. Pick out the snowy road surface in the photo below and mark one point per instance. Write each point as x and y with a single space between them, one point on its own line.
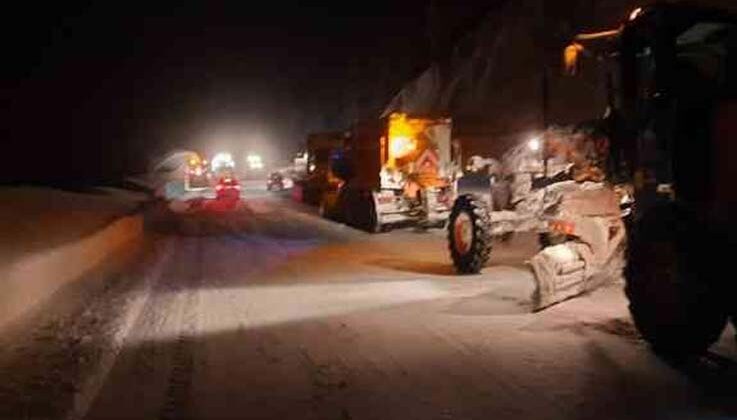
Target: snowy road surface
271 313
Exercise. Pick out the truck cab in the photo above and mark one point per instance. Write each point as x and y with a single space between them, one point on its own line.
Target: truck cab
393 171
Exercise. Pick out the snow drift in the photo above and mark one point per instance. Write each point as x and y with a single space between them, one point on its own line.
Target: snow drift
44 253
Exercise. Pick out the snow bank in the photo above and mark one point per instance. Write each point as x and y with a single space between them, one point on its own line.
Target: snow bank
50 238
36 219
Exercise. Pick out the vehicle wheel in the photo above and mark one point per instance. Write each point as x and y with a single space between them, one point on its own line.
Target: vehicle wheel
674 301
368 220
359 210
469 239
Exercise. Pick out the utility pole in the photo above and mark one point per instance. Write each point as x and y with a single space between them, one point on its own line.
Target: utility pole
544 78
543 63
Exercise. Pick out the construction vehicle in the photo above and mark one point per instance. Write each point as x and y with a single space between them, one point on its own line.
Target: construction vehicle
316 177
394 171
197 173
547 186
675 107
672 122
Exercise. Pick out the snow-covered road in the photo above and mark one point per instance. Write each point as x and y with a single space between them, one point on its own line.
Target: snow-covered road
273 313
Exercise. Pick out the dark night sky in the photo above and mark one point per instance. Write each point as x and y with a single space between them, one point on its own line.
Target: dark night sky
94 89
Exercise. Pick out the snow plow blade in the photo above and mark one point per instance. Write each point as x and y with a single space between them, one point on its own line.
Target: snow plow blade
592 257
565 271
574 268
560 274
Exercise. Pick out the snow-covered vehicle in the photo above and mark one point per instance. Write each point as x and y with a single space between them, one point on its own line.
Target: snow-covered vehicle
576 214
672 125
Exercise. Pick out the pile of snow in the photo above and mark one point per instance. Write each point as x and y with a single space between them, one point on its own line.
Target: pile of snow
35 219
51 237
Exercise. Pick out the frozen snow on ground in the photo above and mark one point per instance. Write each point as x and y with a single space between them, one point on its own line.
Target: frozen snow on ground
271 312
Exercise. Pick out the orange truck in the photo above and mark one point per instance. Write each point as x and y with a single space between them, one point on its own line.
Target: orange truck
399 170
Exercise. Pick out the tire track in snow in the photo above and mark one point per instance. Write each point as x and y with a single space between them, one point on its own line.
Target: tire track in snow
89 390
178 393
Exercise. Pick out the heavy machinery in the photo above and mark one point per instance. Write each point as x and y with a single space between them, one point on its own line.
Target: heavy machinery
197 173
316 178
394 171
549 186
672 124
674 80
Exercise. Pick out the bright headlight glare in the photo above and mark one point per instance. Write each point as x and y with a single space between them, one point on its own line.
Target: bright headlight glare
401 146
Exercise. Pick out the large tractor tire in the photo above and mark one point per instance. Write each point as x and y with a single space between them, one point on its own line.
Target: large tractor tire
675 298
469 238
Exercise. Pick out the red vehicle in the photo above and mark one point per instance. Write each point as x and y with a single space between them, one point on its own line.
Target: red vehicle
228 189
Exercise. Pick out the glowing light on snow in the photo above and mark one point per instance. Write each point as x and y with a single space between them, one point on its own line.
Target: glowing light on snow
273 305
